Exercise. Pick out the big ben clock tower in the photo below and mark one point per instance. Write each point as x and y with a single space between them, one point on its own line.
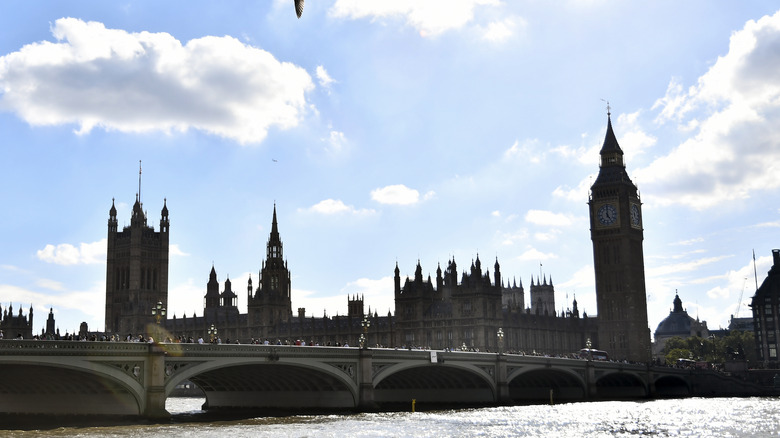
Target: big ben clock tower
616 232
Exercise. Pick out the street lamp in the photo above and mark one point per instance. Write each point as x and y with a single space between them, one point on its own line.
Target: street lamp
158 311
364 336
588 344
500 335
212 333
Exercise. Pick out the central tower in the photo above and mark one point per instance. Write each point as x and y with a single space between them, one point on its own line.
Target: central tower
136 270
271 305
618 260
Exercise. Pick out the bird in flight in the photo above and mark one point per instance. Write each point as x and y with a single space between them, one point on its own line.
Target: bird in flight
298 8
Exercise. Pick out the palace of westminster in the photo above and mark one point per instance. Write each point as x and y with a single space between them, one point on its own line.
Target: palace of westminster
453 310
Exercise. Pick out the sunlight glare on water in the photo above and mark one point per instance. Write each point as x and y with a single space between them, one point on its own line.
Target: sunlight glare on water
693 417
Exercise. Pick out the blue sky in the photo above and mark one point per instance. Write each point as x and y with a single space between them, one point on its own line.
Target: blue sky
386 131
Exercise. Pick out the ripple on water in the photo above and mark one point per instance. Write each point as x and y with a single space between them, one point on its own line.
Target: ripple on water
692 417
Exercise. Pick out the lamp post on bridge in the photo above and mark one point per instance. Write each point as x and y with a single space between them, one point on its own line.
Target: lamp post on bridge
500 336
588 344
364 336
212 333
158 311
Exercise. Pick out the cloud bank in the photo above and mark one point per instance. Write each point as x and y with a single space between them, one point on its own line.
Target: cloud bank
733 114
429 17
142 82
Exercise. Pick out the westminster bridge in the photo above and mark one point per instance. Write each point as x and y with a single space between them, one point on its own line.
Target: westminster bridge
134 379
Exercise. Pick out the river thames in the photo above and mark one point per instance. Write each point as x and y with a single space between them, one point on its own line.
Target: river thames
692 417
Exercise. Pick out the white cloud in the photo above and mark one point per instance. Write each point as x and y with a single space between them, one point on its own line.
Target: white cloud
733 113
174 250
430 17
576 194
533 254
550 235
337 142
89 302
67 254
187 298
397 194
336 206
377 296
583 279
542 217
500 31
511 238
689 241
323 77
526 151
50 284
689 266
141 82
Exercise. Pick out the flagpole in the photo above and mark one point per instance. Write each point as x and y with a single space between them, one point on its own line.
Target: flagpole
755 274
139 180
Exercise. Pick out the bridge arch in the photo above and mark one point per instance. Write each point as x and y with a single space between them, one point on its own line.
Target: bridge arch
72 386
672 386
257 383
440 383
536 383
621 385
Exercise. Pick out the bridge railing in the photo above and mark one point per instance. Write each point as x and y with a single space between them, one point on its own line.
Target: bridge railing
12 346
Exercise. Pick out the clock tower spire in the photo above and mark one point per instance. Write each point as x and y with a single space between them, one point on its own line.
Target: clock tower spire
618 260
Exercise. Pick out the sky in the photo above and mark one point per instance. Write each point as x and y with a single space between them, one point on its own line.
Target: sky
386 132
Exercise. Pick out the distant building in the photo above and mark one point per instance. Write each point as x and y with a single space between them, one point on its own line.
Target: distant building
766 314
735 325
458 309
269 316
136 270
469 312
678 324
15 326
741 324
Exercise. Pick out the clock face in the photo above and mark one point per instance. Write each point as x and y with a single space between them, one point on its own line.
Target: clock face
635 218
607 214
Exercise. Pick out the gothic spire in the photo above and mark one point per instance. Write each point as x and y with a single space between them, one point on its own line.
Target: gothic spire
274 249
610 141
274 227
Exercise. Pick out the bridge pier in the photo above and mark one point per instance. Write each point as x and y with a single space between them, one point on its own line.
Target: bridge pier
366 402
591 390
502 385
154 384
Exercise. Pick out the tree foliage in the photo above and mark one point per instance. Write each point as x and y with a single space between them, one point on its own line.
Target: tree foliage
737 345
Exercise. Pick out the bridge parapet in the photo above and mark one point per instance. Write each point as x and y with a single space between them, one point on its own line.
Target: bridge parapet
32 347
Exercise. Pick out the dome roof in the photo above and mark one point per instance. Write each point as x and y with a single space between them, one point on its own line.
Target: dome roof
677 323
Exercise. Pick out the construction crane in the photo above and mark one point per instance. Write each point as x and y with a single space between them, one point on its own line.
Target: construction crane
739 303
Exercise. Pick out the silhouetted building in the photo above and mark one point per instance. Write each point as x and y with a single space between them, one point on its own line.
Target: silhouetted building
468 314
269 316
766 314
15 326
51 331
678 324
457 310
136 270
618 259
450 314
